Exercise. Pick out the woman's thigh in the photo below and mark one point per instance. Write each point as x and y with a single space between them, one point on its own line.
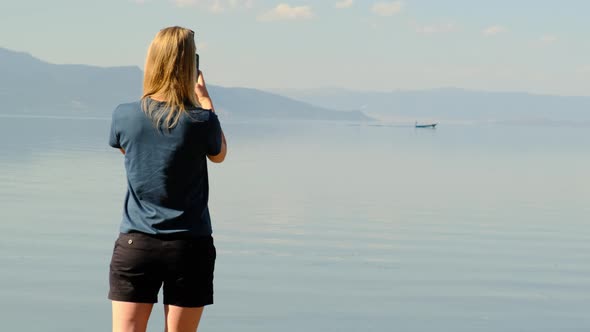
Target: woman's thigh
181 319
131 317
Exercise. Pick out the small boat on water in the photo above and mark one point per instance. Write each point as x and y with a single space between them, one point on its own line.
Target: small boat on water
426 125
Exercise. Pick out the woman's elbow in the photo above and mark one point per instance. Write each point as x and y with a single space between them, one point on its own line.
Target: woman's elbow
218 158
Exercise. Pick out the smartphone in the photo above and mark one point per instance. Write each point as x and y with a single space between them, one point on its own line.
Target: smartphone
197 58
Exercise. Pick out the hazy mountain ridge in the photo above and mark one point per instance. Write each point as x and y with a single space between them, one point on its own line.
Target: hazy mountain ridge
31 86
452 104
232 101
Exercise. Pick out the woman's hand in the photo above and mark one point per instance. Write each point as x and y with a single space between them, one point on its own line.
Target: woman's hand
201 87
202 93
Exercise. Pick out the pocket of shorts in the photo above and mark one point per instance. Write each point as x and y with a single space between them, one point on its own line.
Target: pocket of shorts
130 257
137 241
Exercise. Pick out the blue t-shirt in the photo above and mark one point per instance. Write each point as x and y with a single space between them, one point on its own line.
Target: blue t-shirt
167 181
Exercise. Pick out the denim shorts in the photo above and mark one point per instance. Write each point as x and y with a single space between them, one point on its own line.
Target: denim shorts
142 264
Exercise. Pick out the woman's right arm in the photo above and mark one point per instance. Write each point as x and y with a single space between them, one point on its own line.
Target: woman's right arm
219 158
206 103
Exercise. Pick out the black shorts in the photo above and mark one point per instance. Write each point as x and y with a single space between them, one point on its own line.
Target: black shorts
142 263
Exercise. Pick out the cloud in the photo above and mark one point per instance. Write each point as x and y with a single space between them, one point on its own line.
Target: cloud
585 69
436 28
215 6
185 3
548 39
344 4
284 12
494 30
388 8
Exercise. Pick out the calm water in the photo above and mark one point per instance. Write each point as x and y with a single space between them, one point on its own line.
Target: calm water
319 227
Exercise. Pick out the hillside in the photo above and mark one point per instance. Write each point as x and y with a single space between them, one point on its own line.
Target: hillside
31 86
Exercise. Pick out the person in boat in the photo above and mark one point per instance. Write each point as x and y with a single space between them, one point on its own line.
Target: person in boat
165 238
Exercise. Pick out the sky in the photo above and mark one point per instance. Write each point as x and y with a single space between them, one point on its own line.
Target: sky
497 45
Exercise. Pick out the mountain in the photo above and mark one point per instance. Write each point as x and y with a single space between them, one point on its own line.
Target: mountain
452 104
252 103
31 86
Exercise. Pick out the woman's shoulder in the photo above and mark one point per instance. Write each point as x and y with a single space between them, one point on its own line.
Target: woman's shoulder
127 110
129 106
199 115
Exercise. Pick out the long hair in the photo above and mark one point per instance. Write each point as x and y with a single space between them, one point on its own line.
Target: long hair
170 74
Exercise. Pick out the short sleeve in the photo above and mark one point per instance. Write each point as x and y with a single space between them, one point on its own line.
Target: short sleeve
114 136
214 135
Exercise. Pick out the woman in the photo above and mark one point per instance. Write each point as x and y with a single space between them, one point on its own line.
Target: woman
165 237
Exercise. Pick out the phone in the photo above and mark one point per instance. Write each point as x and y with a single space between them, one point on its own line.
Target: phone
197 58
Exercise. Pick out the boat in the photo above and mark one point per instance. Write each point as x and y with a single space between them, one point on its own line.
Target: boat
427 125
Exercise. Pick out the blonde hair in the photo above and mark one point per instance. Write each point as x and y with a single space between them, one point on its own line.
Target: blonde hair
170 74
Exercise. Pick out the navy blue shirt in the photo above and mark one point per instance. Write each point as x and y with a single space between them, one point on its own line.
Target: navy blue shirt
167 181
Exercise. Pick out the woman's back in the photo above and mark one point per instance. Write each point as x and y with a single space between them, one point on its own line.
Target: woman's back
166 169
165 241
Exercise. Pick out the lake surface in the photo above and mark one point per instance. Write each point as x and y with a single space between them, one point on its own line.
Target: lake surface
319 227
